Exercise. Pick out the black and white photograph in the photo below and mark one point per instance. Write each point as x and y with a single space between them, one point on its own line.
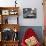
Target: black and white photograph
29 12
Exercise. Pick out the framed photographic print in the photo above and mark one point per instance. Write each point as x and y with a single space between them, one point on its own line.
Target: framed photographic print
5 12
29 12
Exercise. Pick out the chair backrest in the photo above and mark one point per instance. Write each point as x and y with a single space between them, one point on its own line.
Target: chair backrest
29 32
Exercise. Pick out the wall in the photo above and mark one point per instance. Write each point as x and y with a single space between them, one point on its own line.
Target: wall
27 4
7 3
31 4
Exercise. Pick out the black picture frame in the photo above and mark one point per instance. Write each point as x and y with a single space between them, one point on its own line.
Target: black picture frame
29 12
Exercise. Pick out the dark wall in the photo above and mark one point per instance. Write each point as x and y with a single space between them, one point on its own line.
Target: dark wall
37 29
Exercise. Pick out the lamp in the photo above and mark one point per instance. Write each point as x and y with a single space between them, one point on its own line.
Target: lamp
15 30
15 3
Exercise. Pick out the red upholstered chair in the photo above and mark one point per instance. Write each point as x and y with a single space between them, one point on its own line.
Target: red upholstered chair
29 33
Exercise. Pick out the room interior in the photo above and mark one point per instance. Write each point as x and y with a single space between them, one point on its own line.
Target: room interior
16 16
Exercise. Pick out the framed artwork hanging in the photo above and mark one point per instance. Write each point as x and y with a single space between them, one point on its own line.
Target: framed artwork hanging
29 12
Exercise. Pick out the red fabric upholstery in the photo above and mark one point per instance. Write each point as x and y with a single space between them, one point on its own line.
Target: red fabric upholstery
29 33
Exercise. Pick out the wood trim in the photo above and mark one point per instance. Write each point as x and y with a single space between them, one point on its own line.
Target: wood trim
5 8
11 26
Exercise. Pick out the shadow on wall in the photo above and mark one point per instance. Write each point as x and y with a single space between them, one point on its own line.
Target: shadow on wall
37 29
